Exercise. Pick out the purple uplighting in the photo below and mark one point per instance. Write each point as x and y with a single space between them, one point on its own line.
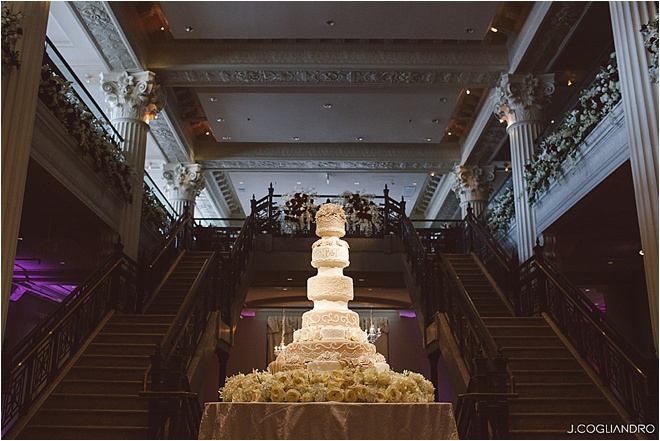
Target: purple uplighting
408 313
248 313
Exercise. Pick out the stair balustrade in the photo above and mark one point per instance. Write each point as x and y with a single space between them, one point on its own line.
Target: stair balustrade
34 364
631 377
174 411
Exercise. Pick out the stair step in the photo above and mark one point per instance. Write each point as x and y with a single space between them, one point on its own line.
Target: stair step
109 337
557 364
136 328
42 431
102 417
141 319
97 401
120 349
99 387
559 405
113 360
550 376
516 321
504 331
539 341
549 390
552 421
103 373
535 352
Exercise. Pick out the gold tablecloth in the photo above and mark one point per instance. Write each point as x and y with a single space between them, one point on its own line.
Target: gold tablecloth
328 421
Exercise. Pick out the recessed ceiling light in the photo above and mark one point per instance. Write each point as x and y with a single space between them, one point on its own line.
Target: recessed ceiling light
360 280
428 139
327 106
241 182
296 138
469 30
449 133
226 137
435 121
467 92
208 133
220 119
641 252
329 22
285 289
443 100
493 29
62 262
356 183
298 183
289 278
162 28
610 262
189 28
359 138
213 99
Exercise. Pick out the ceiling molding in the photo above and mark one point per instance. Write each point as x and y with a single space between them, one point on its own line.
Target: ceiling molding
103 29
169 144
265 77
292 165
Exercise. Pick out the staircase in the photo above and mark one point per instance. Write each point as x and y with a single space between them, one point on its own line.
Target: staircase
555 392
98 397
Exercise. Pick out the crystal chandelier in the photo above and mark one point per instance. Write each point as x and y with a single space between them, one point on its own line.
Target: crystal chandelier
278 349
373 333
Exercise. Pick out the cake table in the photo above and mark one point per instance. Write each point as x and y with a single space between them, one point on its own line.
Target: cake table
328 420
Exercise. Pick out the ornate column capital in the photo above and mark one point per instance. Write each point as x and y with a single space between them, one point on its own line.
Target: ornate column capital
523 97
184 181
134 96
473 182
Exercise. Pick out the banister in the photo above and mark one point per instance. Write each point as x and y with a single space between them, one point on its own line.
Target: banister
181 223
587 314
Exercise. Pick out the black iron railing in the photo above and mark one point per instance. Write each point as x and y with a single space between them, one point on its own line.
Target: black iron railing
174 411
632 378
33 364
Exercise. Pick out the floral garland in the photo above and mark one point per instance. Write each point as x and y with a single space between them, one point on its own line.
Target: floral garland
501 211
154 214
58 95
298 212
650 34
11 32
594 104
362 214
355 384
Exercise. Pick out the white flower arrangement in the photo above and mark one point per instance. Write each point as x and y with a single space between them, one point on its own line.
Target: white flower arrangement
501 211
362 214
154 215
11 32
650 35
92 136
563 144
298 212
353 384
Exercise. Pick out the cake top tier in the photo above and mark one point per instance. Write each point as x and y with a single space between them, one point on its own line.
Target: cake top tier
330 221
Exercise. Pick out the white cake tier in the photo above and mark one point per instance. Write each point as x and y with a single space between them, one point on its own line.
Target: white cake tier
347 318
330 256
353 353
329 333
330 220
335 288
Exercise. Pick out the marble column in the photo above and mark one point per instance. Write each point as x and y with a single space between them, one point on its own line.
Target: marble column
521 103
132 100
639 96
183 184
20 87
473 185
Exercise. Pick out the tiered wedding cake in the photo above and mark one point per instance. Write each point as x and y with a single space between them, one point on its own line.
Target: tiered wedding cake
330 358
330 337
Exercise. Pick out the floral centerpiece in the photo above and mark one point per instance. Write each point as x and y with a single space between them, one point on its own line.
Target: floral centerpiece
154 215
362 214
650 35
92 137
11 32
501 211
298 212
563 144
354 384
